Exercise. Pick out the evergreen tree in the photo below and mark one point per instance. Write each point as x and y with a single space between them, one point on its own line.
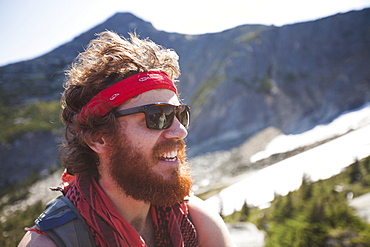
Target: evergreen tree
366 165
355 174
245 211
306 188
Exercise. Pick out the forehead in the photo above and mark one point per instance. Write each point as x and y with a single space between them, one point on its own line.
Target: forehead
151 97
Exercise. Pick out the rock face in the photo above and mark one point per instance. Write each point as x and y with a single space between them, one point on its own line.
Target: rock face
35 152
239 81
293 78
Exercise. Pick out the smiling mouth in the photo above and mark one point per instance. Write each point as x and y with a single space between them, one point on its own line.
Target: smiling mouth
169 156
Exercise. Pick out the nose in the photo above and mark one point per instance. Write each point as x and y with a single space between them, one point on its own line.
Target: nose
176 131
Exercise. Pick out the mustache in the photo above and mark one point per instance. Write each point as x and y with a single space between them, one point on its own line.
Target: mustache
170 145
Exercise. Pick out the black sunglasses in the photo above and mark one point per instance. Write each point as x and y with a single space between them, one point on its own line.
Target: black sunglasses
160 116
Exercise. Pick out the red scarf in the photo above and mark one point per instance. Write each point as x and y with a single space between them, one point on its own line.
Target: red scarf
109 228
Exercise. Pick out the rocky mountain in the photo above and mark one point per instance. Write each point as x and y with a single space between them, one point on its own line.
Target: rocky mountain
238 82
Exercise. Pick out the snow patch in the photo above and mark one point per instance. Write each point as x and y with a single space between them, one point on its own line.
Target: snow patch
324 161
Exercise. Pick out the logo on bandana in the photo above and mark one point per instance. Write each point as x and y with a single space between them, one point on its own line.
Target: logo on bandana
144 78
114 96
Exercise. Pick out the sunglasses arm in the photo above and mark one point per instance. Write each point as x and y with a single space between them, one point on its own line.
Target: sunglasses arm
130 111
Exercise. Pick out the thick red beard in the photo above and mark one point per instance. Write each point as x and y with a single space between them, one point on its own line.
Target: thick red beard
134 174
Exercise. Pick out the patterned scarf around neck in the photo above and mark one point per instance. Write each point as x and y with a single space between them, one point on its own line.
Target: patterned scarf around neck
109 228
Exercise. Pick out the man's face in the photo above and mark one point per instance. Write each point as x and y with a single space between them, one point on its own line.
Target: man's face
150 165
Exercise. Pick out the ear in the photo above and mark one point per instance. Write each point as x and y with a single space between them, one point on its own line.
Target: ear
97 143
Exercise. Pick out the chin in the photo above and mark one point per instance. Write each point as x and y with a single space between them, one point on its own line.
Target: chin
169 177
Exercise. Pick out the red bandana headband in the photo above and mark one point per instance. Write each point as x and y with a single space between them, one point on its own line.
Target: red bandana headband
113 96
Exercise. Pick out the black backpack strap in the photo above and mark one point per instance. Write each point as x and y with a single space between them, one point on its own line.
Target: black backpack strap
62 222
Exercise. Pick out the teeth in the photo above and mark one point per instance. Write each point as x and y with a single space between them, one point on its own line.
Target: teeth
170 155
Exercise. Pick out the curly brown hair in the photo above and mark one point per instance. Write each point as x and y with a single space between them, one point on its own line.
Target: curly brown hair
107 60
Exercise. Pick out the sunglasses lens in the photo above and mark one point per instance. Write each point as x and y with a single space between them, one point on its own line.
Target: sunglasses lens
160 116
184 115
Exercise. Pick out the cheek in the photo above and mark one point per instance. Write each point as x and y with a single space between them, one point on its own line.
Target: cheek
141 138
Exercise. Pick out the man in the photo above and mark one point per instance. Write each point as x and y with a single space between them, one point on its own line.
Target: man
124 151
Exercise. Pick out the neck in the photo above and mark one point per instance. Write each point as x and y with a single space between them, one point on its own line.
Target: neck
135 212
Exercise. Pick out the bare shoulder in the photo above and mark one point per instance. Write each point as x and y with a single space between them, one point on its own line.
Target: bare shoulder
33 239
211 229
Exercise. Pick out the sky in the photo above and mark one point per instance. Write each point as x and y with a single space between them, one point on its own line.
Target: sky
30 28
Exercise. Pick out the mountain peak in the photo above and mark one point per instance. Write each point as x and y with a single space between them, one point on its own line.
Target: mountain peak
123 22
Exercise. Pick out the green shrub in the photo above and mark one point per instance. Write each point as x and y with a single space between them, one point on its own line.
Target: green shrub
13 231
18 120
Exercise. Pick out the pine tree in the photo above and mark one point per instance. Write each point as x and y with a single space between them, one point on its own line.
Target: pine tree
355 174
244 212
306 188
